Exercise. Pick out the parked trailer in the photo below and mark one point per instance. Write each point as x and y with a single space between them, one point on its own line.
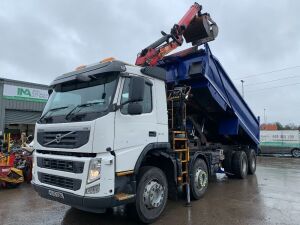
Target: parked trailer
116 134
280 142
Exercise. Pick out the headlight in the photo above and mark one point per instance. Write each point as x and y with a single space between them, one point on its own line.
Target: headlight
94 170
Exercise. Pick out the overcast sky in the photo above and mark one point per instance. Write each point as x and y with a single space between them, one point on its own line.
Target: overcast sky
43 39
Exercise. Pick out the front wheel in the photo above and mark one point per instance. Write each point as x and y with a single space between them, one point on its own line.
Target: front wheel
151 195
296 153
199 179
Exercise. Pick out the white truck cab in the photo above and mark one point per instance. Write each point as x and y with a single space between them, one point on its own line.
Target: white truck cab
91 134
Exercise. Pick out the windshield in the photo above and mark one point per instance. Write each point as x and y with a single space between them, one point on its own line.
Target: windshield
80 100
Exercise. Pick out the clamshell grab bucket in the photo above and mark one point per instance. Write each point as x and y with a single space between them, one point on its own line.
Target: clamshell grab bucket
201 30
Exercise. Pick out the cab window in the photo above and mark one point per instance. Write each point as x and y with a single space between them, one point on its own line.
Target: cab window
146 103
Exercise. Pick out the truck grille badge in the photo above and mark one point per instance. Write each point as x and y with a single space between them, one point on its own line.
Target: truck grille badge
58 138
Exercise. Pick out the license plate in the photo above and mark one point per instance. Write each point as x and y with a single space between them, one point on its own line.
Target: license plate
56 194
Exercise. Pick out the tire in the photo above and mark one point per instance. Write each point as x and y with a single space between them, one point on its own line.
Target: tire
240 164
27 174
251 156
227 163
12 185
147 208
199 179
295 153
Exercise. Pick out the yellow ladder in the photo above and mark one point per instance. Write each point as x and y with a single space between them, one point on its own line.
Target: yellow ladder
181 148
179 139
7 139
178 136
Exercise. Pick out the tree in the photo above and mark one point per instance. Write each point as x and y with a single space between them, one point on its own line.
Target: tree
290 126
279 126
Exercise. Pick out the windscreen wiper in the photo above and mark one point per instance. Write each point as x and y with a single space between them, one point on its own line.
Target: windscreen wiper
52 110
80 107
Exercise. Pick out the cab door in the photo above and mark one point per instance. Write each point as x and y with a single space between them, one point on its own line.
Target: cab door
134 132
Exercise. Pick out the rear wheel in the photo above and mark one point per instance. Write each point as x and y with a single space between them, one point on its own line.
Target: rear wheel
151 195
251 156
199 179
240 164
227 163
296 153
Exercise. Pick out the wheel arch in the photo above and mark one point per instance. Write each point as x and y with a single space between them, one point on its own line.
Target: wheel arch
157 154
152 148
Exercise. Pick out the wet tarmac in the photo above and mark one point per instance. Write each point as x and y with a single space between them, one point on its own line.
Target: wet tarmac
272 196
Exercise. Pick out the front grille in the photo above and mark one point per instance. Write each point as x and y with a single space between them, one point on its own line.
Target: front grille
58 181
62 165
63 139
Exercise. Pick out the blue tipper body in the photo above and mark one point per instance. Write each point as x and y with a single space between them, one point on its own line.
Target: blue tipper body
215 92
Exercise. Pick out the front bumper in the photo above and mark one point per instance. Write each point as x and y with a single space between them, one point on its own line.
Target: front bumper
73 181
90 204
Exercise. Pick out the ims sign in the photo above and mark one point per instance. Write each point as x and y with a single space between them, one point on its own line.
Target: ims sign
24 92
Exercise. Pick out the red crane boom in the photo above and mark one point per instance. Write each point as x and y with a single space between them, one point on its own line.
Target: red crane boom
194 27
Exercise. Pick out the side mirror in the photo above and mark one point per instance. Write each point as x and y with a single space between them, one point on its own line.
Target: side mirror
135 108
136 89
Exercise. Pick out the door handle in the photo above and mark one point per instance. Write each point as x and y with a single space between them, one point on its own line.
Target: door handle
152 133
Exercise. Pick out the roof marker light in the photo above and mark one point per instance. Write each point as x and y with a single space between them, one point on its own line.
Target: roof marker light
80 67
110 59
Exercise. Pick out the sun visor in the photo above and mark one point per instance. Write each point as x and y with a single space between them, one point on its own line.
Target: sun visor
87 72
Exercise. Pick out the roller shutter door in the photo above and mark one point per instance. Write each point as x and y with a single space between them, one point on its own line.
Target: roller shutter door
21 117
